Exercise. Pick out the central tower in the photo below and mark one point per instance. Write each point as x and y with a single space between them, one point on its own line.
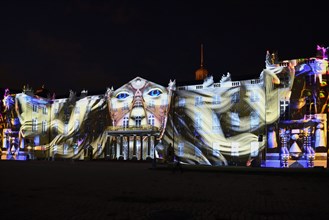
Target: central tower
201 73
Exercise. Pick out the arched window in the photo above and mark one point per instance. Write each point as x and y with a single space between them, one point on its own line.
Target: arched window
138 121
125 122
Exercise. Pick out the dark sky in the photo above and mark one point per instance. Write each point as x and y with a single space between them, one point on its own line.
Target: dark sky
91 44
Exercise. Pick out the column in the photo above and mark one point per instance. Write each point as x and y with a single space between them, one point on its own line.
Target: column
134 148
148 145
121 146
115 145
141 146
108 148
128 147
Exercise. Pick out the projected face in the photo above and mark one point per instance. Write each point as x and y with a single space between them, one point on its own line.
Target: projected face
139 103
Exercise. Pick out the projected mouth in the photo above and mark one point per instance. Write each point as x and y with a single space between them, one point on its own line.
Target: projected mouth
138 118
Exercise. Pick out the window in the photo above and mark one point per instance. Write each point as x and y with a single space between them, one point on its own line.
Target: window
138 104
215 122
216 99
99 149
36 140
138 121
215 149
284 109
44 110
75 148
151 104
181 102
254 96
151 120
254 146
44 126
77 110
34 124
56 112
125 122
235 83
235 98
125 106
88 109
254 120
66 128
234 149
55 149
66 149
55 108
181 149
164 102
198 121
198 100
35 108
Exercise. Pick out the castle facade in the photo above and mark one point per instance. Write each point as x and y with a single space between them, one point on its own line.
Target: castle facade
276 120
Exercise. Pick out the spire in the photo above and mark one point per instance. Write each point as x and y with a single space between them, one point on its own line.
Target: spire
201 73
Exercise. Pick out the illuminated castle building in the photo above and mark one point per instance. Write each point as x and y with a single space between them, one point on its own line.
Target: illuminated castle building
277 120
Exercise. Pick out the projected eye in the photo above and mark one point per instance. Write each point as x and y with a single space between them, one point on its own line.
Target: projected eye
122 95
155 92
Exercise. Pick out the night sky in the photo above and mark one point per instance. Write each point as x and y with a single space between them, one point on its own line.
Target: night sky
94 45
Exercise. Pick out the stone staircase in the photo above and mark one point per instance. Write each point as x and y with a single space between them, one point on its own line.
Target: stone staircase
21 155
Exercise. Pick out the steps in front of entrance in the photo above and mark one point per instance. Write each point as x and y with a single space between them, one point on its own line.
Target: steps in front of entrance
17 156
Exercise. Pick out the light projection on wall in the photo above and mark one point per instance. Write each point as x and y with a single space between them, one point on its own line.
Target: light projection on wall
277 120
139 112
139 104
238 123
215 123
73 127
299 137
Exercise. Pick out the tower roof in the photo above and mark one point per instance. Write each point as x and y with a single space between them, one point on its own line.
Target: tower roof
201 73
